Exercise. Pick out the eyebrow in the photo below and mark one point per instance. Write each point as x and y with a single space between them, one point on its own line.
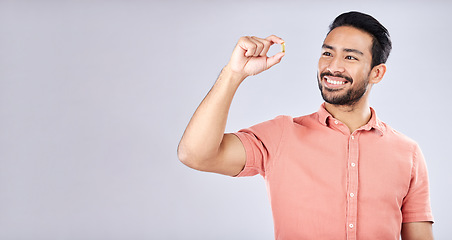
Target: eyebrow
345 49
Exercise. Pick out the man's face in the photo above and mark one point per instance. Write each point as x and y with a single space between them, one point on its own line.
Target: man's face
344 65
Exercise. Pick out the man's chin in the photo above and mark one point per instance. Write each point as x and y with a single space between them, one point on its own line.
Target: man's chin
337 99
332 89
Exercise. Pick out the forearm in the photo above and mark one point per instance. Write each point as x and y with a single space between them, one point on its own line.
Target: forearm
204 133
417 231
204 145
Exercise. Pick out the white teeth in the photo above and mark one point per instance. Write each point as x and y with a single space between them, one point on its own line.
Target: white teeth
335 82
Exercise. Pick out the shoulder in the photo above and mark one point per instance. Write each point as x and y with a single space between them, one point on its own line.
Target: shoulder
296 121
281 123
399 139
277 124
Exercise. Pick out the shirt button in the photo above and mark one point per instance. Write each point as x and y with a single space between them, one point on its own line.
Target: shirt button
353 137
351 225
353 164
336 121
352 194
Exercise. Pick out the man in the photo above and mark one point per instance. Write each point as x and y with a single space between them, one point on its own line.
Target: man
339 173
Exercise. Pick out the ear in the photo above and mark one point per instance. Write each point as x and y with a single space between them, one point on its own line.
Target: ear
377 73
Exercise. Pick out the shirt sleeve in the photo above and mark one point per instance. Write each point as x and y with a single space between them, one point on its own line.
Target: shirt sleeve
416 204
261 143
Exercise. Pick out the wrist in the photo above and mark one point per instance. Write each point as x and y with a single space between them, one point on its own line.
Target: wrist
234 77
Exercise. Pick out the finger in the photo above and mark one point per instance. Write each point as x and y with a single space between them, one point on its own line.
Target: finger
260 45
248 45
273 60
257 49
274 39
266 46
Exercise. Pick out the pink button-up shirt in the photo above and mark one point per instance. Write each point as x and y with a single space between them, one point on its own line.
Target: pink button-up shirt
325 183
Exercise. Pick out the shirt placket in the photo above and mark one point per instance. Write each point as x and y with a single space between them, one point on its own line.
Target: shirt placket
352 185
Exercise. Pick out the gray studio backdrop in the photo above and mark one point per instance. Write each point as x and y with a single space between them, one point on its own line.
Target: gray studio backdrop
95 95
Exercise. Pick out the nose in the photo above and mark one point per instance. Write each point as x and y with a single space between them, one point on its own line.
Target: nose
335 65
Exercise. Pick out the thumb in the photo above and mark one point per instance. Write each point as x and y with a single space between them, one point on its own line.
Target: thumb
273 60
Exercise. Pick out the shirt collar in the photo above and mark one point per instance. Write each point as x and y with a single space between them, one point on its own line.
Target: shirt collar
374 122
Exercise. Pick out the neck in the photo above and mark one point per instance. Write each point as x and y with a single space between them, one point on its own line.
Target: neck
354 116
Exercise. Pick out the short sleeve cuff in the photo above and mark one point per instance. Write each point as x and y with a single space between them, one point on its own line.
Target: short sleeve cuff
249 169
418 217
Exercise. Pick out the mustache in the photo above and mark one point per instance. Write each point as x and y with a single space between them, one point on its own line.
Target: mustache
326 73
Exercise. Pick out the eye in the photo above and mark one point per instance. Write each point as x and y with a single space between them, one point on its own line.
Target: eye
328 54
351 58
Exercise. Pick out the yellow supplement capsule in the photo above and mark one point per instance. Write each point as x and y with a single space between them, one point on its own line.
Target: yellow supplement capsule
283 47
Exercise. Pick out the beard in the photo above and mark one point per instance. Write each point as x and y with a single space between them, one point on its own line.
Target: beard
349 98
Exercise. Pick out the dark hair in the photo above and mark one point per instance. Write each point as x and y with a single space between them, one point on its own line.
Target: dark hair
381 44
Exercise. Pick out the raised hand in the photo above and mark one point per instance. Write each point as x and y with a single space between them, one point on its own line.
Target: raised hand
250 55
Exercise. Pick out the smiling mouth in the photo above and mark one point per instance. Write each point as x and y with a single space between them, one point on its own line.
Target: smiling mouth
334 82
